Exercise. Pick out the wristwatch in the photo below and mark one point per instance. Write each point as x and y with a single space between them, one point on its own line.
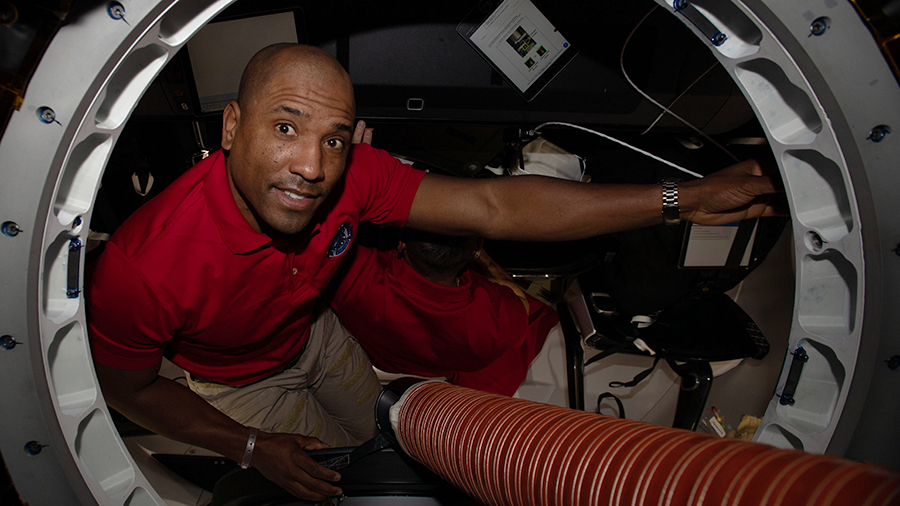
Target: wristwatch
670 210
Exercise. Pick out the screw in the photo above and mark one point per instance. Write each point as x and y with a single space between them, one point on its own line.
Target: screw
10 229
33 447
718 39
680 5
77 223
815 241
75 245
879 133
46 115
72 293
8 343
818 26
894 363
787 400
116 10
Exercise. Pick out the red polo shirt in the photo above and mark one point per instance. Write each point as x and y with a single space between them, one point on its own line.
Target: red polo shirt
186 277
476 335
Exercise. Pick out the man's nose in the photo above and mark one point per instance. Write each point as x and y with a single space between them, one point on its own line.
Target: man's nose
307 162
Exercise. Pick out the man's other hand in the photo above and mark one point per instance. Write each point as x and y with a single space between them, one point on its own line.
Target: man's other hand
282 458
361 134
738 192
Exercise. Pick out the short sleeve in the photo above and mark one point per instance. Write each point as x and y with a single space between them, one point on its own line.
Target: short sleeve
129 324
384 185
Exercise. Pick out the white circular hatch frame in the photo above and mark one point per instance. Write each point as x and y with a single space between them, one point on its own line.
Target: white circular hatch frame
810 69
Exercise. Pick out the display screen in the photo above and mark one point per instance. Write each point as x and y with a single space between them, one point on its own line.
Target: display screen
521 43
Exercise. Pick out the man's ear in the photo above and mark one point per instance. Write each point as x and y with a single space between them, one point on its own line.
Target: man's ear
231 116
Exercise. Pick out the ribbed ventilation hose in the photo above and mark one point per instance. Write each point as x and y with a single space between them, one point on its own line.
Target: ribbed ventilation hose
505 451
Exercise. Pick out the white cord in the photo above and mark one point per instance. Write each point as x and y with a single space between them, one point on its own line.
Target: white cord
672 103
654 102
617 141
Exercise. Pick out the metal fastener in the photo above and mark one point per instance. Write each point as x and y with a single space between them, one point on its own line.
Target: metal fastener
10 228
33 447
819 25
815 241
894 363
879 133
718 39
116 10
7 342
46 115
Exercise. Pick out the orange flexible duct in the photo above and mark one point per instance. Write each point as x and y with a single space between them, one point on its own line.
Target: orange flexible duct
505 451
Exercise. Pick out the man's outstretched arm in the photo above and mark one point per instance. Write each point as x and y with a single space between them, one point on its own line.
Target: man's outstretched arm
548 209
172 410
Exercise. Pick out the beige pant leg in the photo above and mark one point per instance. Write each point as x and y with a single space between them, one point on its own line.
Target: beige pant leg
329 394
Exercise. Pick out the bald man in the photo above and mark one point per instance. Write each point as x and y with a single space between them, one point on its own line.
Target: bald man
220 272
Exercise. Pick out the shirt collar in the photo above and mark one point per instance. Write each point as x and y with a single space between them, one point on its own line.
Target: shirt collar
236 232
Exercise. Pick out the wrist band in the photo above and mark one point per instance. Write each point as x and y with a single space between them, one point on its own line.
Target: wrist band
251 443
670 210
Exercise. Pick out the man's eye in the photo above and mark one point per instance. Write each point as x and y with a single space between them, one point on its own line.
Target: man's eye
335 143
285 129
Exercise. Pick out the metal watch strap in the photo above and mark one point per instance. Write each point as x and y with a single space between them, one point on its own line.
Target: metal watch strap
248 451
670 210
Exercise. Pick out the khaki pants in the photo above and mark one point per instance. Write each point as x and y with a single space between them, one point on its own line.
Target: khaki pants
329 393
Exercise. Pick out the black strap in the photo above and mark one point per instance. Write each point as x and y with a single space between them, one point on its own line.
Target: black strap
637 379
606 395
609 351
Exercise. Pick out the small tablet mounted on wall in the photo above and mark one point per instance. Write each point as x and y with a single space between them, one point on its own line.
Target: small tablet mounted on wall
519 42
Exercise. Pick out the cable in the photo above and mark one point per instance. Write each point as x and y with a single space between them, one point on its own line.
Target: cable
617 141
654 102
672 103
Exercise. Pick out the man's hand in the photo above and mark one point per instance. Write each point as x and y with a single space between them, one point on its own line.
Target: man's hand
282 459
361 134
735 193
483 264
171 409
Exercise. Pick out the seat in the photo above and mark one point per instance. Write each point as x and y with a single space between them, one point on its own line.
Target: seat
640 302
687 336
609 288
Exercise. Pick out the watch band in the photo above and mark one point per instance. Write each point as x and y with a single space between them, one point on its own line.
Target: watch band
248 451
670 210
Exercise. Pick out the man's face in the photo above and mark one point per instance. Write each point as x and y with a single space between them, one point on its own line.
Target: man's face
288 147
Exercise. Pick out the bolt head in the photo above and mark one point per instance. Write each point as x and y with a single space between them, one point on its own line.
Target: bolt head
7 342
116 10
10 229
46 114
894 363
33 447
818 27
878 133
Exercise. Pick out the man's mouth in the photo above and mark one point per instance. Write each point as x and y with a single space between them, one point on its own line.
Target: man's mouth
297 200
293 195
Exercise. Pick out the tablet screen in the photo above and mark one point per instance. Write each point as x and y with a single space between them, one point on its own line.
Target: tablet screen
519 41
